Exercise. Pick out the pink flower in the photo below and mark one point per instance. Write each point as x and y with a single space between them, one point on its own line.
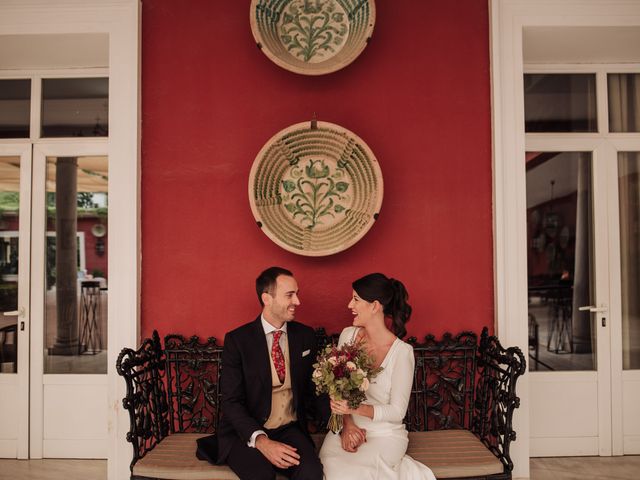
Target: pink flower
365 385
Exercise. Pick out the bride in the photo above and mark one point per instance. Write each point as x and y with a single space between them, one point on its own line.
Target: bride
373 441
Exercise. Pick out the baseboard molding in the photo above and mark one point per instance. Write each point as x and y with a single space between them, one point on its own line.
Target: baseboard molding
632 444
563 446
84 448
8 448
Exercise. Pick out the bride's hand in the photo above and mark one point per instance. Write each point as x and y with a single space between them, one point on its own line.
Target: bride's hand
352 436
341 407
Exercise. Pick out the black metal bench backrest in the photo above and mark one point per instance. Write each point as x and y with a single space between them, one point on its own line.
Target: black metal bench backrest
458 383
443 384
193 383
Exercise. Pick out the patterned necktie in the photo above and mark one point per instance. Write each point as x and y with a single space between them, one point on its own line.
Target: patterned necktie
278 357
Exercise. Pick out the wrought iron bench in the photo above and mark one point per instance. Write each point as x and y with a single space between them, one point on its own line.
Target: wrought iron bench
459 416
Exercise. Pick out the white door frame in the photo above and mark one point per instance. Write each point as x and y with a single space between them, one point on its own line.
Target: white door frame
20 381
508 18
120 19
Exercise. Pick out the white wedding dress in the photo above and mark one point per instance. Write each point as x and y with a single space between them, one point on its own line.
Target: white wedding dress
382 456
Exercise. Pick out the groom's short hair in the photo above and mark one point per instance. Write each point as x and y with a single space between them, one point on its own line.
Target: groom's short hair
266 281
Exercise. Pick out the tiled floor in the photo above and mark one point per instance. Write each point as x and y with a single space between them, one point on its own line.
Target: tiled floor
586 468
53 469
571 468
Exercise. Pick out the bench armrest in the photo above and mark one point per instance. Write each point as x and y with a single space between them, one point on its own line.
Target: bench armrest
496 399
146 399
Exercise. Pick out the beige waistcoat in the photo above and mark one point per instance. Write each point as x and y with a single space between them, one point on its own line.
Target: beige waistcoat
281 394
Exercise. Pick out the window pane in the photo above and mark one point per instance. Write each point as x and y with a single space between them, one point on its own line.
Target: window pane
559 261
9 215
76 279
560 103
624 102
75 107
629 188
15 108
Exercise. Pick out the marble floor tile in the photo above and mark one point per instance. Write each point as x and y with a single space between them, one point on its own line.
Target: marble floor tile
560 468
51 469
586 468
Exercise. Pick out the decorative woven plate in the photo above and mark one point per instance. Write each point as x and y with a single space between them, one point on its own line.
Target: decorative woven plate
315 188
312 37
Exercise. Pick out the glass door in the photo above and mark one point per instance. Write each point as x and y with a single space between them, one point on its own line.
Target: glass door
15 199
583 241
568 320
53 265
70 291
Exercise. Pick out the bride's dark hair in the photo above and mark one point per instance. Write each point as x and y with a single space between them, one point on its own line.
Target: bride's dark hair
392 296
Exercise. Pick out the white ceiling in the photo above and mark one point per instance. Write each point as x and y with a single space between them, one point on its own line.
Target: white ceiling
581 45
20 52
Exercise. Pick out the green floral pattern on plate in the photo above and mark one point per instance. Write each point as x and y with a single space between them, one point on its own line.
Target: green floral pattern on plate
314 190
313 30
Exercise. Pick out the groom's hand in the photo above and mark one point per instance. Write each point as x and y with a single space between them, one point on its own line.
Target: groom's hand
279 454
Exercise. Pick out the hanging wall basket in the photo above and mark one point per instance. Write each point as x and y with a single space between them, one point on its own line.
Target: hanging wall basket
312 37
315 188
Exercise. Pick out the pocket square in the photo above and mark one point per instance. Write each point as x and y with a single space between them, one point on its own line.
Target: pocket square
306 352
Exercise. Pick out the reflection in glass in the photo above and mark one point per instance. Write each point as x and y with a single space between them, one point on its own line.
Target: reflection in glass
629 188
559 261
75 107
560 102
15 108
624 102
9 216
76 270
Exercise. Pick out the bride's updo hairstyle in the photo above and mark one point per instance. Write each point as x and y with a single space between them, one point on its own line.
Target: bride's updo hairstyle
392 296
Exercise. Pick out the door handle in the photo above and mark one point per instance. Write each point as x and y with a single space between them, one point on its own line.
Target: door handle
15 313
594 309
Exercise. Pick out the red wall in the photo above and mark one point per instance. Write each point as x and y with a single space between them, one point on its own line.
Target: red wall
418 95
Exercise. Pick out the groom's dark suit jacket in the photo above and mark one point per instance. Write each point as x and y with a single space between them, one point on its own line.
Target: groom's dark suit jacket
246 382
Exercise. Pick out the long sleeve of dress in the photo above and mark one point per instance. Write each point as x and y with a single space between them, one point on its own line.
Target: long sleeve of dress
401 382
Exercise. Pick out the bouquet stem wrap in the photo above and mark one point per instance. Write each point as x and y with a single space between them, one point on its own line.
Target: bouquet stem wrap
336 422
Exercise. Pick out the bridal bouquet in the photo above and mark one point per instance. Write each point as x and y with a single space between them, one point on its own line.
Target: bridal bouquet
344 373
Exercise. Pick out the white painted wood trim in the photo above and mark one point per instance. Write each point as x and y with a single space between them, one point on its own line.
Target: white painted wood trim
508 17
602 295
38 224
121 20
509 194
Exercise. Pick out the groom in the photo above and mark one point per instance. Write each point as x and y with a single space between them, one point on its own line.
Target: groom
267 388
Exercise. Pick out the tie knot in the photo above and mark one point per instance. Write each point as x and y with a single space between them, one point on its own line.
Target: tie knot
276 335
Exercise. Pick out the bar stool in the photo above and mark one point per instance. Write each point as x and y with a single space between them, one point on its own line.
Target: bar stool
90 336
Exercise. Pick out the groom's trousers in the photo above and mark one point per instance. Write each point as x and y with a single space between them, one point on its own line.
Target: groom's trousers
249 464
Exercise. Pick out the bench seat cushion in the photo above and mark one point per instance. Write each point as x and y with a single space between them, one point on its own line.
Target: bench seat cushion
453 454
449 454
174 458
